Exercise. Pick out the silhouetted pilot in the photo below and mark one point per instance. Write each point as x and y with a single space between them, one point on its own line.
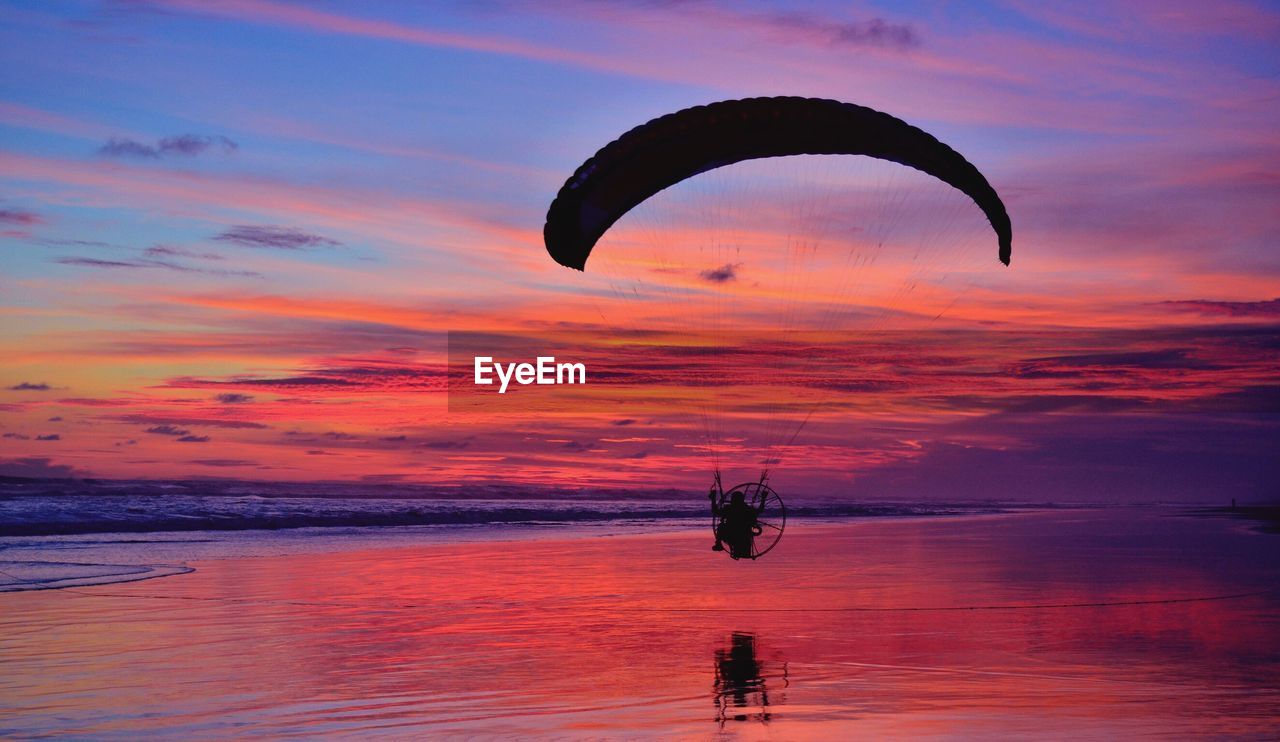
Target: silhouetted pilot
737 524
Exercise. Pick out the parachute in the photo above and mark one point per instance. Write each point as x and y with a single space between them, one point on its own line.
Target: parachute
680 145
764 269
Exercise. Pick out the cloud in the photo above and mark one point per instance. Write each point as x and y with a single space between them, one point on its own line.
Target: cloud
194 144
860 385
52 242
875 32
726 272
383 478
1265 308
300 17
194 439
795 27
98 263
446 445
55 419
279 238
49 437
367 375
223 462
163 420
121 147
151 263
170 251
17 436
90 402
402 219
1068 365
28 386
234 398
166 430
1040 403
36 468
624 421
182 145
20 217
295 381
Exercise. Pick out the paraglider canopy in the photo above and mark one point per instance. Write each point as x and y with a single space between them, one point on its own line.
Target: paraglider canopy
667 150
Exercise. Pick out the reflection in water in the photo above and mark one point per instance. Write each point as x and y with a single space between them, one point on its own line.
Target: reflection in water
485 639
741 681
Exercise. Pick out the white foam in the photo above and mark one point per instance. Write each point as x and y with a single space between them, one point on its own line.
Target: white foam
18 576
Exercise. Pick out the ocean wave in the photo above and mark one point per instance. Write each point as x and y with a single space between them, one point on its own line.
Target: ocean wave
73 507
123 514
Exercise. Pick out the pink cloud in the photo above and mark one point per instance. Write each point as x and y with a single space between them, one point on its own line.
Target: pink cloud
295 16
28 117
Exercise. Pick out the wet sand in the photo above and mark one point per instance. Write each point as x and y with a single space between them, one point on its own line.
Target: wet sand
1090 623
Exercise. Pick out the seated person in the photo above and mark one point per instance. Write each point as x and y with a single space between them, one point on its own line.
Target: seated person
737 525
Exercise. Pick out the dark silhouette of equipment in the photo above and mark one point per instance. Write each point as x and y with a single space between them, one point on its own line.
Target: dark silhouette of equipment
747 520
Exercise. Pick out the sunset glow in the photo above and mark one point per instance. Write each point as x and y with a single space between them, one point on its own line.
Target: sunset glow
236 235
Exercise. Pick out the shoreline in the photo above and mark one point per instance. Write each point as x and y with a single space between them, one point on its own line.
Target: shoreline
61 560
173 553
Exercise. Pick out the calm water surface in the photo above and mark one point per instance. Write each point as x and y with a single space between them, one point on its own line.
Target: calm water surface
1049 623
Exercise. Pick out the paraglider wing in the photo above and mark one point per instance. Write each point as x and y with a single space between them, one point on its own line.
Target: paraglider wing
677 146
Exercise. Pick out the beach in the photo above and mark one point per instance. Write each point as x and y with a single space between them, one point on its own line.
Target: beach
1097 623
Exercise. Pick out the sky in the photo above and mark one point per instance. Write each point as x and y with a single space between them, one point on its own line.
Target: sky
235 237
